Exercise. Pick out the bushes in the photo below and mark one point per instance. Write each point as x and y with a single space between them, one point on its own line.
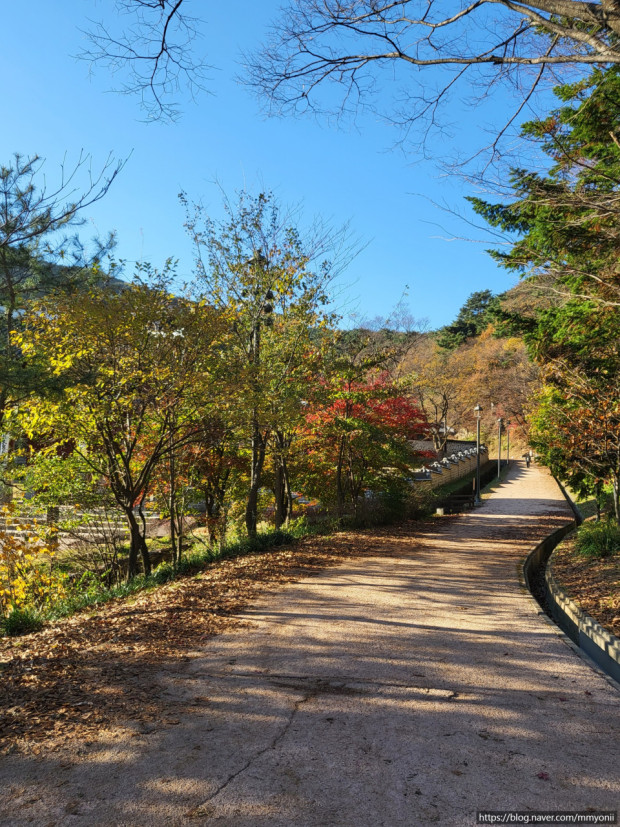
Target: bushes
28 580
31 591
46 594
20 622
598 540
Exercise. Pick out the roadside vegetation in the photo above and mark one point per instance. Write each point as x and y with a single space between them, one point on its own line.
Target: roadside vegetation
233 417
587 564
226 410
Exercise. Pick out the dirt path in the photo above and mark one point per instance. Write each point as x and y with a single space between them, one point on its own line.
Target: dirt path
411 688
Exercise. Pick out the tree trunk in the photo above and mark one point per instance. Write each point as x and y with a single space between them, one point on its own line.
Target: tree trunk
279 494
146 560
352 487
137 547
180 512
223 527
51 518
282 485
288 495
172 510
212 511
251 510
340 492
616 496
215 507
612 15
259 445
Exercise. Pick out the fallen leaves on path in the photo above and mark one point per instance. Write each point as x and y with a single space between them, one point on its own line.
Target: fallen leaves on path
100 668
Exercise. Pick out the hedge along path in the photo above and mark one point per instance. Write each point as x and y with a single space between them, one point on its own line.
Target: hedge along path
411 687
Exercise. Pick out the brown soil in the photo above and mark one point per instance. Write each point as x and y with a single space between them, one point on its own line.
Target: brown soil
81 675
593 584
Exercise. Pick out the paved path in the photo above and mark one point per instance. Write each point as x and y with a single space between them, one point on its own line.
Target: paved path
412 688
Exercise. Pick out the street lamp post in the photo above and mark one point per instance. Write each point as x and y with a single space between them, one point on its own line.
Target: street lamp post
500 422
477 411
508 424
445 437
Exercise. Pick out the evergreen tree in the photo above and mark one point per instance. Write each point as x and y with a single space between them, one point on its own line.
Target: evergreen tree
37 256
472 319
567 228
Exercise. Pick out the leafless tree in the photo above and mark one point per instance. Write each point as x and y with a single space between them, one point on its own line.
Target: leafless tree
154 45
366 49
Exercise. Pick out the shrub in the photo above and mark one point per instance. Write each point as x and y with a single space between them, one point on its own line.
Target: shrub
21 621
28 579
598 539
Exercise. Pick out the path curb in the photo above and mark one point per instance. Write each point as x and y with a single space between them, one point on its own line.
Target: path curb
579 518
587 633
592 639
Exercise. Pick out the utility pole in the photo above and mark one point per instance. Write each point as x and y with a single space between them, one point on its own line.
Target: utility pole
500 422
478 411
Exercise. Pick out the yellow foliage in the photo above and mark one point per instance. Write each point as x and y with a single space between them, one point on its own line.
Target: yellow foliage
27 577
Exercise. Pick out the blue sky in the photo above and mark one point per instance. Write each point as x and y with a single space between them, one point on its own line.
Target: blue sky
54 106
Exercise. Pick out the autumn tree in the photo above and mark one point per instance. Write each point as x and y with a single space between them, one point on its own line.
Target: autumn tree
501 377
40 252
436 379
137 363
490 368
271 283
346 445
361 440
576 425
288 413
216 465
206 473
442 371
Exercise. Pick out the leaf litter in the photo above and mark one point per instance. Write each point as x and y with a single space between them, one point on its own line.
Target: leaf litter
99 669
594 584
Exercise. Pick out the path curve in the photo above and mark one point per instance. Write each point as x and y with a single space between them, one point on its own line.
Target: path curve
411 688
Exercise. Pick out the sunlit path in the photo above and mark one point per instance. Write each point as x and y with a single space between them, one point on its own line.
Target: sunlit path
412 688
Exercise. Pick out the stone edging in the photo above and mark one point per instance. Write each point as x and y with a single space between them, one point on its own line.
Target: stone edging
602 646
595 641
537 558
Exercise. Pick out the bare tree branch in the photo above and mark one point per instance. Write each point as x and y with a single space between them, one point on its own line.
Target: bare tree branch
333 56
154 49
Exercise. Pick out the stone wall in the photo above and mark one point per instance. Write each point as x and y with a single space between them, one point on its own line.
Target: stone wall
453 467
